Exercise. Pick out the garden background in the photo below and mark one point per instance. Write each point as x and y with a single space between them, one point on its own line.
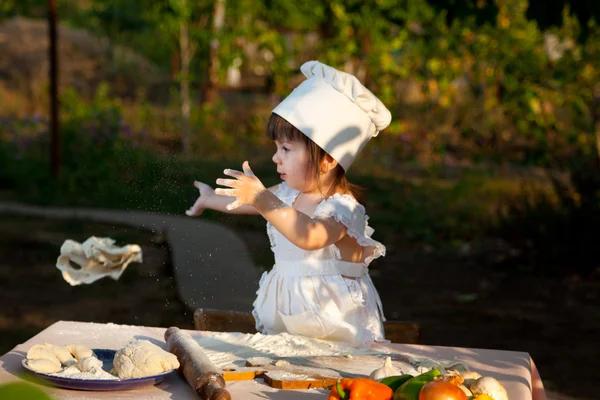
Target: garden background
485 188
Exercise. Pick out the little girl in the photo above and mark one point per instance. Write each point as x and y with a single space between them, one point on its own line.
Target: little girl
319 285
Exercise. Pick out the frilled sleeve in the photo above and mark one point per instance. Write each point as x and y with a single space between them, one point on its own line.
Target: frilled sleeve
345 209
286 193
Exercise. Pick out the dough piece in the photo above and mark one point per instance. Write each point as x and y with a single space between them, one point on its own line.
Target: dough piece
62 354
43 352
89 364
142 358
97 258
79 351
43 365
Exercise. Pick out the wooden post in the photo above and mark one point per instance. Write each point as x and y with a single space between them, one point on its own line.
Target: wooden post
184 85
53 75
210 92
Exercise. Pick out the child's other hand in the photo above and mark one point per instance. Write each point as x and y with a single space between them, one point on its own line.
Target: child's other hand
245 187
200 205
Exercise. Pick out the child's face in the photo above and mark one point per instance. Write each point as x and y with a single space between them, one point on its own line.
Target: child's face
292 162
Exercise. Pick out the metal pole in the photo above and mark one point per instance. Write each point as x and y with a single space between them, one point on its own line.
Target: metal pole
54 123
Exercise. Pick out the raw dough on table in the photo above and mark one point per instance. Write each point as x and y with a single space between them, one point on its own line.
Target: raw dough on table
89 364
43 365
48 358
43 352
142 358
79 351
63 355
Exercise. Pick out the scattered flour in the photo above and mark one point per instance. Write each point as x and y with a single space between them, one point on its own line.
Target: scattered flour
288 376
232 350
280 345
73 373
228 349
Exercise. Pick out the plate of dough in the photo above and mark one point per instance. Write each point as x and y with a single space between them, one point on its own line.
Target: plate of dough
75 366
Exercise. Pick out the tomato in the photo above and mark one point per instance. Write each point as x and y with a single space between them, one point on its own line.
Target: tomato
440 390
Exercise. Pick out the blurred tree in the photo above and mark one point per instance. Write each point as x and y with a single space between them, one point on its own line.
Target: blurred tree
547 13
186 51
116 20
218 21
29 8
484 11
528 91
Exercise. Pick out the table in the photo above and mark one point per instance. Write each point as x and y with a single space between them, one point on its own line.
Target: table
515 370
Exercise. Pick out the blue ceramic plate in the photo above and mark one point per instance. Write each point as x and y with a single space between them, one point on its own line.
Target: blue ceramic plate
106 356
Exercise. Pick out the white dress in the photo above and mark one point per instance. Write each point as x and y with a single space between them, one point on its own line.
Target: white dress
305 292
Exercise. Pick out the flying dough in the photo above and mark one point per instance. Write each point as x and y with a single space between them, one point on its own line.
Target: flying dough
97 258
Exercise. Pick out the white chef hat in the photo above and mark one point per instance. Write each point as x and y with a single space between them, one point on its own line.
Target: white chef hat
335 111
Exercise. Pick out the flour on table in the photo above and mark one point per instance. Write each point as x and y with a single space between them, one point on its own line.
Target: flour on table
226 347
288 376
73 373
232 350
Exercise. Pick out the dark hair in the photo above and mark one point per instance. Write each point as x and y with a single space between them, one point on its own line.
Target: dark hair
280 129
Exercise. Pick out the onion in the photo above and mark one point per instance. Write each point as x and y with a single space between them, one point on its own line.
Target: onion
440 390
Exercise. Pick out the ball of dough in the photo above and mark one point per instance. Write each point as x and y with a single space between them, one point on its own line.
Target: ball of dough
62 354
89 364
79 351
43 352
142 358
43 365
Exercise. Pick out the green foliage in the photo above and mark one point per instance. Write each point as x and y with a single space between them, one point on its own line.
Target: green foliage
95 142
298 16
22 391
11 8
23 151
554 233
495 94
487 86
476 83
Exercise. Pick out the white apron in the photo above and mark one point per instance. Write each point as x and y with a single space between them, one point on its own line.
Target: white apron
314 293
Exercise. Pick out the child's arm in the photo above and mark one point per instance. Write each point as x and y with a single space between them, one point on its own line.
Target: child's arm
297 227
208 199
300 229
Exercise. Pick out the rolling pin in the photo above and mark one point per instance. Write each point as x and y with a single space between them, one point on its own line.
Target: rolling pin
202 375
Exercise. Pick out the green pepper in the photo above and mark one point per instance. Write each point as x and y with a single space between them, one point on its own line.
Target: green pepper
411 388
394 382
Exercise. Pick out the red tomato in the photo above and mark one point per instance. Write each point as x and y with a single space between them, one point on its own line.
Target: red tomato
440 390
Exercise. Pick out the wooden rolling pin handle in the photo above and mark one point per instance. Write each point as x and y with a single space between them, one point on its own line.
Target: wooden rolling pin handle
211 386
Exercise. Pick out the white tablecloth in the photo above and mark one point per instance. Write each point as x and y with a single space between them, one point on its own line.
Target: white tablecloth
512 369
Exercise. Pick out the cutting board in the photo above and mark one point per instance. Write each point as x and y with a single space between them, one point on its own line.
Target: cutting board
312 372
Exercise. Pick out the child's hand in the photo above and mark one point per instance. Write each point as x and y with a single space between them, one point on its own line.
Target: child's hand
201 204
246 186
